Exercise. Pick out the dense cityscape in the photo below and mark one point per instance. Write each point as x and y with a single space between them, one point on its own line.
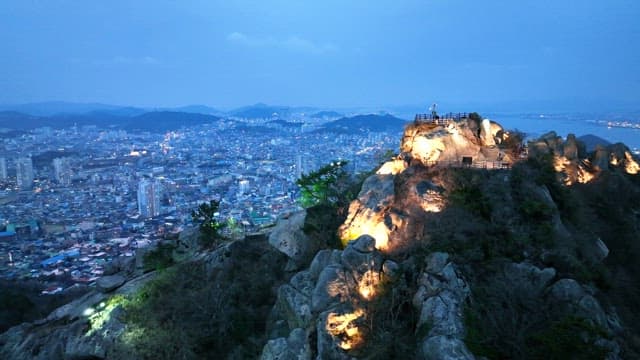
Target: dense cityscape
75 199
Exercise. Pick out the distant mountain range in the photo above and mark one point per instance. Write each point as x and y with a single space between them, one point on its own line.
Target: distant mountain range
261 111
51 108
326 114
167 120
57 108
591 141
162 121
199 109
156 121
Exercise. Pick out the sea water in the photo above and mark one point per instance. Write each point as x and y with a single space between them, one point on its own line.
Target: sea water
537 125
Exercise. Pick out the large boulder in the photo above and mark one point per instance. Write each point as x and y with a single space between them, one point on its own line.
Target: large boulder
444 347
294 347
367 213
570 148
109 283
533 279
339 330
600 159
293 304
125 265
289 238
486 135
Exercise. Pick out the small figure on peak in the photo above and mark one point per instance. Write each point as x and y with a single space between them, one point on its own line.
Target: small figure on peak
434 113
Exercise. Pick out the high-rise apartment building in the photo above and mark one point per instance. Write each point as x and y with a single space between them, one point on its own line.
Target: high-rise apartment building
62 171
149 198
3 168
243 187
299 166
24 172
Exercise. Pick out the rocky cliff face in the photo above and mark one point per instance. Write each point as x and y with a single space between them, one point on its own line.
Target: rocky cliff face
327 311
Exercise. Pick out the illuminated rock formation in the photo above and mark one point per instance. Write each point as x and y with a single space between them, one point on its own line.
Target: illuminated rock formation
429 143
574 165
392 202
330 299
390 208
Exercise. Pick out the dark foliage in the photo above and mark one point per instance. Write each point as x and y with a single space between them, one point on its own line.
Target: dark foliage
22 301
205 217
325 185
160 257
190 313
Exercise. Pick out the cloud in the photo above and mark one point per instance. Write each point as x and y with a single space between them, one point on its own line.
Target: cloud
292 43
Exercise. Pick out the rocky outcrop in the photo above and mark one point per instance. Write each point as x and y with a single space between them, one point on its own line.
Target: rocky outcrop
570 147
328 300
440 298
294 347
86 328
109 283
288 237
430 143
577 300
391 209
575 166
621 157
122 264
486 134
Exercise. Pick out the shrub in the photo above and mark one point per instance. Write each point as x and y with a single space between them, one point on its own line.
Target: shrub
189 312
160 257
569 338
324 185
205 217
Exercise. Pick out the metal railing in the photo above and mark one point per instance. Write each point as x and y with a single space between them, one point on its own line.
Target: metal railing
482 164
444 119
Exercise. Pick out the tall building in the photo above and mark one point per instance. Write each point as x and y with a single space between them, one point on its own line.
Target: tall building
149 198
3 168
24 172
299 166
244 186
62 171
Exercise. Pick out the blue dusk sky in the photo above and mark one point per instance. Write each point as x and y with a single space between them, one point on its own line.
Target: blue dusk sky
325 53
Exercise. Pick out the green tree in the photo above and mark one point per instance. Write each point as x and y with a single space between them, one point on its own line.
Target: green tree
323 186
205 216
235 228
